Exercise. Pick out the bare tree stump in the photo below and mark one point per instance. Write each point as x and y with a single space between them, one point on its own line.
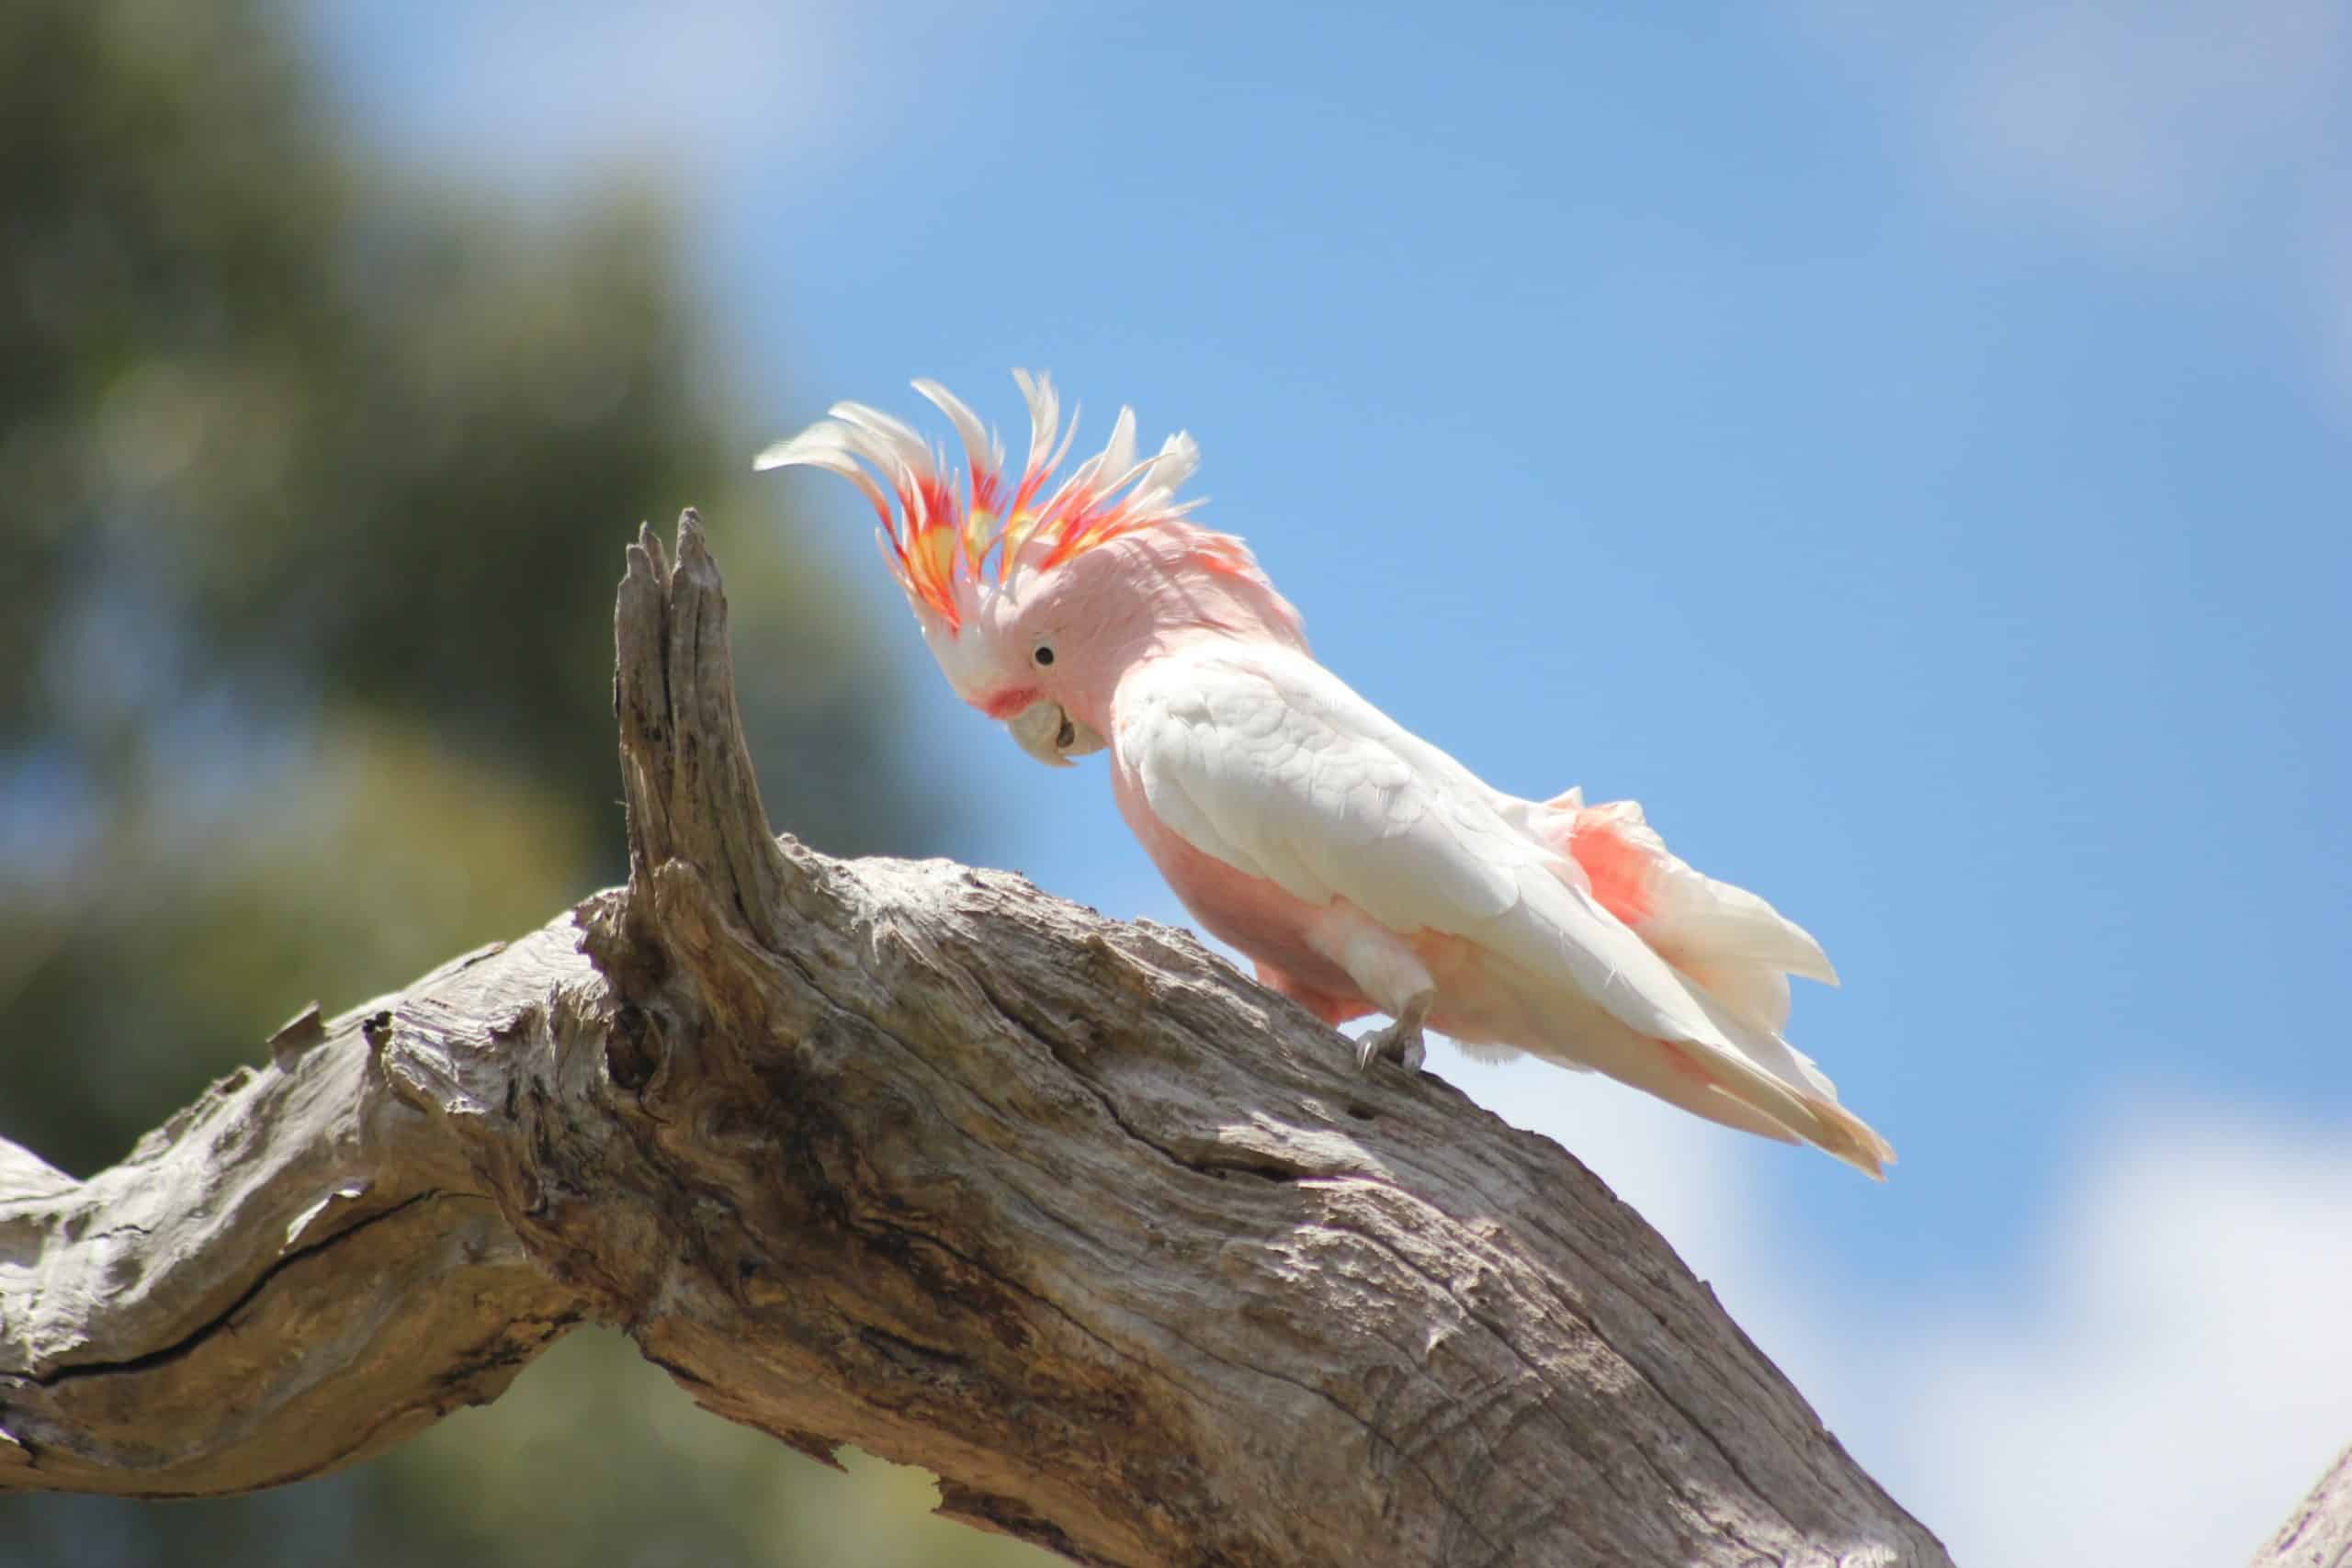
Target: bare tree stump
914 1157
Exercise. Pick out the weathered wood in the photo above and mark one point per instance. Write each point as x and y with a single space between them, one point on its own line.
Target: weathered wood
2318 1534
914 1156
296 1272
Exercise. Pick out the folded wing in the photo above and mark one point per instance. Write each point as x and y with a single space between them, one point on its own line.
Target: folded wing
1268 763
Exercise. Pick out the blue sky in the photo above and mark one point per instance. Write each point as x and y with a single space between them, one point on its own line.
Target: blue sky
1910 456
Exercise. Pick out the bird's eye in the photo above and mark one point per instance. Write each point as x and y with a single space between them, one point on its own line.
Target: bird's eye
1045 655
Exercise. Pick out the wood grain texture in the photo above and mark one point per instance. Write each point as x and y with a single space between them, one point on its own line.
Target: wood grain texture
915 1157
2318 1534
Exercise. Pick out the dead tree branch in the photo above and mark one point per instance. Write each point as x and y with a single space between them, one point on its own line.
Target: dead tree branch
2318 1534
917 1158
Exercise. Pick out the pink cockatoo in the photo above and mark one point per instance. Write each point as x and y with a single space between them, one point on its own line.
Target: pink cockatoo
1361 868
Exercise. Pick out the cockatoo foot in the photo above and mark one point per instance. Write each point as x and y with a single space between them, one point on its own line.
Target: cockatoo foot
1399 1042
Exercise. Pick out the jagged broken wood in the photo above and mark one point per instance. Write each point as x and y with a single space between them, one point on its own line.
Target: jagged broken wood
917 1158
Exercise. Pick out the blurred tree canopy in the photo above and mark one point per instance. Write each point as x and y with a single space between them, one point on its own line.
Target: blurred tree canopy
314 474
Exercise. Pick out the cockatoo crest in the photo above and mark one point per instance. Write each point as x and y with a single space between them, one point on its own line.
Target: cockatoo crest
951 547
1362 867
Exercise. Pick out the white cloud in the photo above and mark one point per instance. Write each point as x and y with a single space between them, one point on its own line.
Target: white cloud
2173 1371
722 93
2155 1382
2135 117
2180 135
2144 119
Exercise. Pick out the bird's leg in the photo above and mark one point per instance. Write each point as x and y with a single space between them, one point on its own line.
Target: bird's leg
1398 1040
1391 976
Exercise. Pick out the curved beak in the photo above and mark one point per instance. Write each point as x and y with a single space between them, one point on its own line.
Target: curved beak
1050 734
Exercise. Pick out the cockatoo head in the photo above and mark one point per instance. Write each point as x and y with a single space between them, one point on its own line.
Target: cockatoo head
1034 603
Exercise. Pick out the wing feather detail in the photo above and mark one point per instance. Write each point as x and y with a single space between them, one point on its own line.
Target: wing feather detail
1265 761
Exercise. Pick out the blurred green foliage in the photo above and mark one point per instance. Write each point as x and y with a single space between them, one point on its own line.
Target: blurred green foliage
314 478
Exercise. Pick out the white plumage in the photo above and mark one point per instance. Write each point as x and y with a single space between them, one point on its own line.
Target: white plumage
1262 759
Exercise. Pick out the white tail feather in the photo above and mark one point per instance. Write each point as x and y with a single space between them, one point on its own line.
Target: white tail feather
1734 952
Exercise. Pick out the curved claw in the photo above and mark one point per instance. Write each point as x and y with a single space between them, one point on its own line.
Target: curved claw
1399 1042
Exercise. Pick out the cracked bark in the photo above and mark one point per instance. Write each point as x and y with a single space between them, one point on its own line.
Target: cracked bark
914 1156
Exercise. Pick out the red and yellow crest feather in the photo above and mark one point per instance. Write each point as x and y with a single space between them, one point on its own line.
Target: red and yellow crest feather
946 543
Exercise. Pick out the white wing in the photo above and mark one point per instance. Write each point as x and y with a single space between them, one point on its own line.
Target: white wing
1267 762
